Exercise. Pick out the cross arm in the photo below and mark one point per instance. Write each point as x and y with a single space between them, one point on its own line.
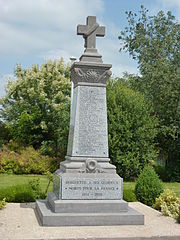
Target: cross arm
100 31
81 29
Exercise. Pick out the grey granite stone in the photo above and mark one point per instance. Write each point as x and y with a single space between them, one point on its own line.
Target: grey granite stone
90 31
81 164
90 75
86 188
86 206
88 129
49 218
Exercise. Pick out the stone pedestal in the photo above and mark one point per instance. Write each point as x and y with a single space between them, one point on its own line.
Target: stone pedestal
87 190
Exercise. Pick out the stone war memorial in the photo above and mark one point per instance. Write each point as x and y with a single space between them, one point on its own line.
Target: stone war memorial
86 188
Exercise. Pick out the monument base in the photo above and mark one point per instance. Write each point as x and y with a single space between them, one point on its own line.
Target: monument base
55 212
49 218
86 199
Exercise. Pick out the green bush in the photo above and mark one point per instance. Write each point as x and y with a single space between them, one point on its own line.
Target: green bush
22 193
129 195
26 161
2 203
148 186
132 129
168 204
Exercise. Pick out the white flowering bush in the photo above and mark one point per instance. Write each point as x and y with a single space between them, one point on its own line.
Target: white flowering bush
36 106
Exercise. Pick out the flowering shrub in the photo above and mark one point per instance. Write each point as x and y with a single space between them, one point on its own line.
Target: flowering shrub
168 203
2 203
26 161
36 106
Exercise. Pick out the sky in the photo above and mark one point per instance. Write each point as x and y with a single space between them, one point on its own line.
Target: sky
32 32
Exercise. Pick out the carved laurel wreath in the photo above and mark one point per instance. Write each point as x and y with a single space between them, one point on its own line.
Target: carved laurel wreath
91 166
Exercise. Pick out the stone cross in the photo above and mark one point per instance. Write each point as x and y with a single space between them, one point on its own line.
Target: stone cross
90 31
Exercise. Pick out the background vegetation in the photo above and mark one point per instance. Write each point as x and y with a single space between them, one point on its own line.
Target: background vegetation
154 42
143 111
132 130
9 182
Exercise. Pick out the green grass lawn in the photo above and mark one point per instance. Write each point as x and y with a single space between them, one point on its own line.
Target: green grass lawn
175 187
11 179
7 180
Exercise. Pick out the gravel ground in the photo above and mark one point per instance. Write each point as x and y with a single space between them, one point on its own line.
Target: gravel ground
18 221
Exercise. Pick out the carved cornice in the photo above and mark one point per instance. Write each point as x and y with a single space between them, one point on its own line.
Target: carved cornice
89 75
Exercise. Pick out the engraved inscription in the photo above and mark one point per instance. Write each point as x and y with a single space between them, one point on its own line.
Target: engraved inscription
91 188
92 134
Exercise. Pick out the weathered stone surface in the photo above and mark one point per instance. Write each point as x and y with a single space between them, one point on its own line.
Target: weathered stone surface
86 206
81 165
90 75
88 186
90 31
88 129
86 189
49 218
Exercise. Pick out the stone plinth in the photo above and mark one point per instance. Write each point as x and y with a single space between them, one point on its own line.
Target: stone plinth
87 186
86 189
87 218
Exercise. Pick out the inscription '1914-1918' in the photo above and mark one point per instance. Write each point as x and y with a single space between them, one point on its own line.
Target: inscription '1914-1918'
89 188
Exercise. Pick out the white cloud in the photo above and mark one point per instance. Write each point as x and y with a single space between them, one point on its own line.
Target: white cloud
170 3
36 25
56 54
56 14
166 5
46 29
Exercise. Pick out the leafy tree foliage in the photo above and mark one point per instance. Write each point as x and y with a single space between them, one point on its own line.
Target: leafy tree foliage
36 106
4 134
154 41
131 129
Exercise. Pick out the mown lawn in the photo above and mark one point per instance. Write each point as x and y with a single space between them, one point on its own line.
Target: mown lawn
7 180
175 187
11 179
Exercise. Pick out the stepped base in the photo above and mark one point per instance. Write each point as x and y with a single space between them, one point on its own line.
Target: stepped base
85 206
49 218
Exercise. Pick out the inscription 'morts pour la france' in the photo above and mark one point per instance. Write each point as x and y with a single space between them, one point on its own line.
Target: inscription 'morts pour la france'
91 187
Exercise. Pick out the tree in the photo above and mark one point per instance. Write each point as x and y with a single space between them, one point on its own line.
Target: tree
4 134
154 41
131 128
36 106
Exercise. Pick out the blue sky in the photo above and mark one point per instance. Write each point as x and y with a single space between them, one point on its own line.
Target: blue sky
34 31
